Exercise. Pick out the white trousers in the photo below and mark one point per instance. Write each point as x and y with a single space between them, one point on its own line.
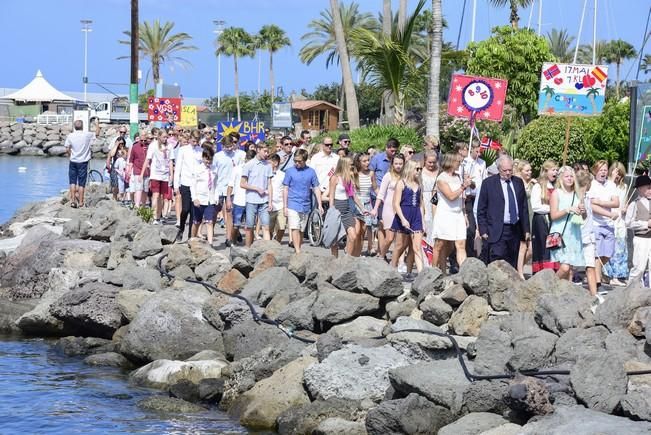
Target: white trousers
641 257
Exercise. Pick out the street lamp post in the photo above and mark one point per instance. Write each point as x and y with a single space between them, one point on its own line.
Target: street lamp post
218 31
86 28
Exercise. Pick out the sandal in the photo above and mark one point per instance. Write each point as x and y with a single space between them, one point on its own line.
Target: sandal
73 204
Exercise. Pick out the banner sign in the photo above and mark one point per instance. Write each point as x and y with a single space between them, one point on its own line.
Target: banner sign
474 97
188 116
248 130
281 115
644 142
164 109
572 89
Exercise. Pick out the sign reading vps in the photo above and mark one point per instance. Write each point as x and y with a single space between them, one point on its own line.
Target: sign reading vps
164 109
568 89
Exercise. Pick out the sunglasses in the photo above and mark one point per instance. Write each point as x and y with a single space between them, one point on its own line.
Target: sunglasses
287 143
409 152
345 141
327 144
419 169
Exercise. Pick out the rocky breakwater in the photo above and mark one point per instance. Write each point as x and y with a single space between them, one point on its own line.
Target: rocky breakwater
29 139
359 351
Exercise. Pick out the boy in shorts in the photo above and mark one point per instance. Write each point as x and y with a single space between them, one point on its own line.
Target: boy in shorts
300 181
234 190
202 191
256 180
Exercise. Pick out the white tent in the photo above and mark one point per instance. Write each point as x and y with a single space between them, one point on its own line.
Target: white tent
38 90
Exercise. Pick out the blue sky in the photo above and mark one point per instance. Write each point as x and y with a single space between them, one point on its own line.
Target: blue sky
46 35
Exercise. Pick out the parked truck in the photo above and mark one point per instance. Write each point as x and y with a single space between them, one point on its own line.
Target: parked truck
115 111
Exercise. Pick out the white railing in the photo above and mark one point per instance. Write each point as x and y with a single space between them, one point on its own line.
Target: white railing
54 119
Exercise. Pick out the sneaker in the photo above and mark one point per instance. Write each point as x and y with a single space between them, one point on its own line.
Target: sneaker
617 282
156 222
227 243
402 268
179 237
177 224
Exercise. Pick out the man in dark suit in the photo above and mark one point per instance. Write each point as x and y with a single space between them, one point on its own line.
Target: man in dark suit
503 214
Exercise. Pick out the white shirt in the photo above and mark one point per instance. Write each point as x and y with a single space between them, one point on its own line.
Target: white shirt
159 167
79 143
225 162
507 215
239 194
476 170
603 192
120 166
277 183
185 162
324 166
204 181
537 205
631 214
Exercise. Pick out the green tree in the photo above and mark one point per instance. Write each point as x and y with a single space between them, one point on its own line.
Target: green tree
513 5
620 51
387 61
272 38
236 42
143 100
602 53
515 55
609 132
544 138
645 66
369 98
559 43
160 45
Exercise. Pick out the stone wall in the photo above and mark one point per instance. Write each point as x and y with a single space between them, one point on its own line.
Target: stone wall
28 139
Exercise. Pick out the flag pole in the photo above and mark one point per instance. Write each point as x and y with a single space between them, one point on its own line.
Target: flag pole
566 148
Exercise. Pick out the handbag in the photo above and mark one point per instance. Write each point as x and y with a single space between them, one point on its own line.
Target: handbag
434 200
555 240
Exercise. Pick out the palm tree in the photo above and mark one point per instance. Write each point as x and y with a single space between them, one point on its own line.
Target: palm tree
514 5
388 61
433 103
159 45
236 42
272 38
620 51
645 65
593 92
352 109
549 93
602 54
559 42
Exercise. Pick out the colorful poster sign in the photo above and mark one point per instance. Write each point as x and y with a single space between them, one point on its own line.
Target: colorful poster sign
572 89
644 142
248 130
475 97
164 109
188 116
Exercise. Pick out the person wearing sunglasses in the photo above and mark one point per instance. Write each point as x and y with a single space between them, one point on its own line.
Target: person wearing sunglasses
139 180
286 153
324 163
344 141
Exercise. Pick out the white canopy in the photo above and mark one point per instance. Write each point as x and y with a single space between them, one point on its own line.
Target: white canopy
38 90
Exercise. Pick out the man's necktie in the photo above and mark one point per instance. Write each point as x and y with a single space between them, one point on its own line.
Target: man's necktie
513 211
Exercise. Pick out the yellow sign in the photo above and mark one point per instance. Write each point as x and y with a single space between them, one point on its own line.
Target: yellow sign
188 116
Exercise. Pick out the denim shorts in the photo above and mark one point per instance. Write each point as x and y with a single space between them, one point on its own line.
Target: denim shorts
257 210
78 173
203 213
238 215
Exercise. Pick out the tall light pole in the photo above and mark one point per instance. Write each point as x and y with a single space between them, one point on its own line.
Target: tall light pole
218 31
86 28
133 82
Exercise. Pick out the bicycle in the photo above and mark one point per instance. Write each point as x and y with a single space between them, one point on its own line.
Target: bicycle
315 225
95 176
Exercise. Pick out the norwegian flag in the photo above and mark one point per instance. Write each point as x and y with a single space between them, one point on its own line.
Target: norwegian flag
551 72
488 143
495 109
428 251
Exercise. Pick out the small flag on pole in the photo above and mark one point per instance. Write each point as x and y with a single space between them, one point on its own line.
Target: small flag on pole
599 74
552 72
488 143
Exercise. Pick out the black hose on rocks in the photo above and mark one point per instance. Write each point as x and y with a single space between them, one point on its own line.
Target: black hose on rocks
470 376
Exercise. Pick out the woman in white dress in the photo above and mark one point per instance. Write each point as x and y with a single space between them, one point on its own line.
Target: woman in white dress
450 222
428 176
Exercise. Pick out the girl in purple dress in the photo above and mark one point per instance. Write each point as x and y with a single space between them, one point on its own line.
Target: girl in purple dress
409 209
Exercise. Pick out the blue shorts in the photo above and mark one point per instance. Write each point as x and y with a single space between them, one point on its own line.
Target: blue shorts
203 213
238 215
257 210
78 173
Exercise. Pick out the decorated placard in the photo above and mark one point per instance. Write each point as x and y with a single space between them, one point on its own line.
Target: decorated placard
644 142
188 116
475 97
164 109
248 130
572 89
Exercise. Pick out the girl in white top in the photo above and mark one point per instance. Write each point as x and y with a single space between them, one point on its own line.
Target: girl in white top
366 184
450 221
343 187
161 172
202 190
541 193
428 179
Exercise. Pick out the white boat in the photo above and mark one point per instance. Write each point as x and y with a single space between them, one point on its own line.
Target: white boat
22 169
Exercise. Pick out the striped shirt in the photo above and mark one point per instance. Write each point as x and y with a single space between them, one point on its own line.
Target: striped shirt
365 185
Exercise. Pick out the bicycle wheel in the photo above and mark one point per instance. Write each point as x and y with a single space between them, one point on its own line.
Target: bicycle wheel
314 228
95 176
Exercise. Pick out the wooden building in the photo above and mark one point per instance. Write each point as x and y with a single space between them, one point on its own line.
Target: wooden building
316 115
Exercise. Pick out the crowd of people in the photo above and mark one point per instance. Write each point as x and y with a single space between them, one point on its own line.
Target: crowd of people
412 209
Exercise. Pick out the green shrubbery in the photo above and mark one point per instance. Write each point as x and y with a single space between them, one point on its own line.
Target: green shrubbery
377 136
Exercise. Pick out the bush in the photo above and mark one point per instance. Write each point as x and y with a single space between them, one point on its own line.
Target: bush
609 135
544 138
145 213
377 136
